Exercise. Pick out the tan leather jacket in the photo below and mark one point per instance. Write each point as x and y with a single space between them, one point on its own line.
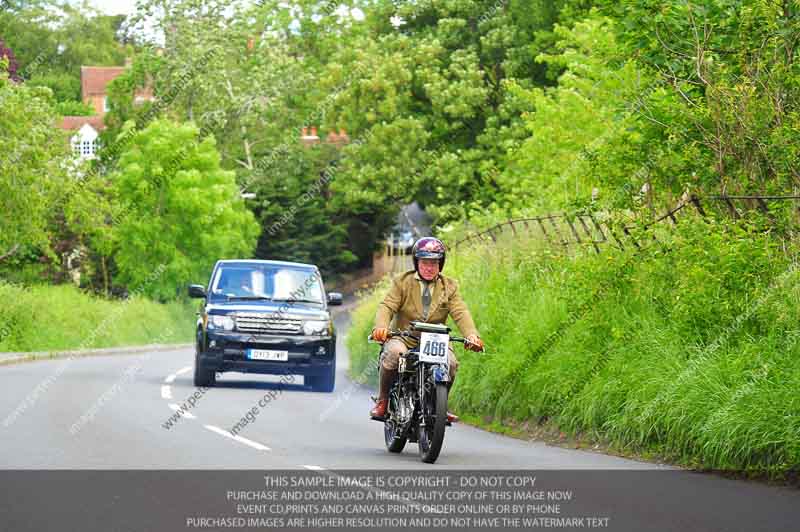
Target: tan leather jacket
404 304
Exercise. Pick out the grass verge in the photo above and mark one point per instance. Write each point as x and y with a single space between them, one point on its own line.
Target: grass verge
686 349
49 318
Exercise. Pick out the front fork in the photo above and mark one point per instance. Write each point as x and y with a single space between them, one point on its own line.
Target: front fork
438 374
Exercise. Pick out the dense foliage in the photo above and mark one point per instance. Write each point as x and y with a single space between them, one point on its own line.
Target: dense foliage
73 108
686 349
31 167
52 39
179 210
477 109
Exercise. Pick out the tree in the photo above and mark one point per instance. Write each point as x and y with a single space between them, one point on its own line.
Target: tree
249 92
180 211
53 39
32 166
259 88
293 205
585 133
732 68
73 108
428 83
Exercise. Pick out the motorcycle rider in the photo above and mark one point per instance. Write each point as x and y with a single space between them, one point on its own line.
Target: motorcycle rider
425 295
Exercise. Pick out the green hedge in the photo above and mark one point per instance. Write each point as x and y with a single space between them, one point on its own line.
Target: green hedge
687 349
46 318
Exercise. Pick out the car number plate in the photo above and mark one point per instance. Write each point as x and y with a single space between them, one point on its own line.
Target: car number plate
433 348
267 354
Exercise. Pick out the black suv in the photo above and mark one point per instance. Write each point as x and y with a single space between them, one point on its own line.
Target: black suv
268 317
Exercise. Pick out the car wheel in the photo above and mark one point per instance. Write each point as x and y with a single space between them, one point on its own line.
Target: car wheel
202 376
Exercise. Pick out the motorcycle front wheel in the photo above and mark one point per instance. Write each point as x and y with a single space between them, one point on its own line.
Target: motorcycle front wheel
394 441
431 436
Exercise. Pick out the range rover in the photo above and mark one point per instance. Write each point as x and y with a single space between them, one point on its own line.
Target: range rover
266 317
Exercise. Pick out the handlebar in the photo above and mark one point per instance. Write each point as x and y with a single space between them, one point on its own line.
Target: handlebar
407 334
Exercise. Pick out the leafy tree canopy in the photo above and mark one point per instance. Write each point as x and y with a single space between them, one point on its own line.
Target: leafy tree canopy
180 211
52 39
32 165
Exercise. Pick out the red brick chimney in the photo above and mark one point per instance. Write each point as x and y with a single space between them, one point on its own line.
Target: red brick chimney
309 139
339 139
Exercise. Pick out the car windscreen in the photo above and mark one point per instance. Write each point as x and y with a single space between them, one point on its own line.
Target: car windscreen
273 282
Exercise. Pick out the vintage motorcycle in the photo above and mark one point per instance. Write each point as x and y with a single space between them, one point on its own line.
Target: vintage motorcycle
417 408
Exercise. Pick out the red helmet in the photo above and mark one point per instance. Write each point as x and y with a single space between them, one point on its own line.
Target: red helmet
428 247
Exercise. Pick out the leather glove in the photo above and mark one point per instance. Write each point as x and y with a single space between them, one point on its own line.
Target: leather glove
474 343
380 335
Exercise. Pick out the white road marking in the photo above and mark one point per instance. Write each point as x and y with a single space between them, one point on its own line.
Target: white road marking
251 443
314 467
166 393
187 415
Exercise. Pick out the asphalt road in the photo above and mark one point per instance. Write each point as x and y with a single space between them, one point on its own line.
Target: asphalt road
112 412
109 413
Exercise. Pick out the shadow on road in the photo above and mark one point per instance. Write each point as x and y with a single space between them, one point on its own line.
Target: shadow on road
243 385
262 385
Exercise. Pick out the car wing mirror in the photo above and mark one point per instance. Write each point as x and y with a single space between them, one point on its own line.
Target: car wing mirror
197 291
334 298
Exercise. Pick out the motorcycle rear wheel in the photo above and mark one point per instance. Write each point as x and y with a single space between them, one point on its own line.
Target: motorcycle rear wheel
431 437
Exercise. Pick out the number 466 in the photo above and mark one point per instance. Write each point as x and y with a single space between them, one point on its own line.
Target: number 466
435 348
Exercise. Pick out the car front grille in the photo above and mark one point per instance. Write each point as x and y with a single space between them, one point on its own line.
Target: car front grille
266 323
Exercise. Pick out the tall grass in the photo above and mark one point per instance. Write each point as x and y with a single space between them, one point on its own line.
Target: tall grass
45 318
687 348
361 352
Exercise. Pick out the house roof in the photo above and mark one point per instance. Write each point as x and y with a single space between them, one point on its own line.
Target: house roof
94 79
73 123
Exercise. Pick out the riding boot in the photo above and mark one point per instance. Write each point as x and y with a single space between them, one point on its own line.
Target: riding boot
385 382
385 379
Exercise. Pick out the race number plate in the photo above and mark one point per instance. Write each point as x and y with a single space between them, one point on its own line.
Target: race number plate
267 354
433 348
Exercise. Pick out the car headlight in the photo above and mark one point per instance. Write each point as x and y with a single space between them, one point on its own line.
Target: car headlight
316 327
219 321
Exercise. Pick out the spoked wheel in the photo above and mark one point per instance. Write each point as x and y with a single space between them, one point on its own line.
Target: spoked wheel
394 441
431 436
